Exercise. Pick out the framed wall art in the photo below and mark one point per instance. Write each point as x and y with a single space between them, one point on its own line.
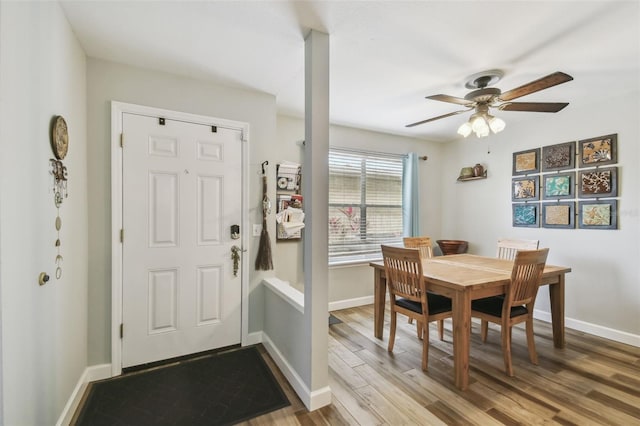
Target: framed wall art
526 162
558 186
598 214
525 215
558 157
598 151
598 183
525 188
559 215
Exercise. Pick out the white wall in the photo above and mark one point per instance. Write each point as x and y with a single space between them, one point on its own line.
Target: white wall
109 81
602 291
44 333
354 282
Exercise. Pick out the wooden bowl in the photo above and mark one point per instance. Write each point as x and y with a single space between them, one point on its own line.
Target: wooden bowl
453 246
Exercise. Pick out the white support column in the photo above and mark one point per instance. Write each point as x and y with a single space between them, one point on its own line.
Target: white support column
315 183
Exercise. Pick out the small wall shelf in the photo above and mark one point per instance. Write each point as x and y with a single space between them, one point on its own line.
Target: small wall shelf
484 176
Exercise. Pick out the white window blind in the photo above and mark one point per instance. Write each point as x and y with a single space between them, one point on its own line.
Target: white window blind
365 204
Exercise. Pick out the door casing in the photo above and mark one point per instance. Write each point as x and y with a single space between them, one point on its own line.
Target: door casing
117 110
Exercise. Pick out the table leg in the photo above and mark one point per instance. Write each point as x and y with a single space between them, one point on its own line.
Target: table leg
556 298
461 336
379 293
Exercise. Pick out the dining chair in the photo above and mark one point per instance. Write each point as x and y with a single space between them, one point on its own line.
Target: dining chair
516 305
421 243
507 248
426 251
408 295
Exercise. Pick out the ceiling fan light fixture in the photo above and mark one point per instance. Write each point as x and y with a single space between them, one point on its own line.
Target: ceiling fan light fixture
479 124
496 124
465 129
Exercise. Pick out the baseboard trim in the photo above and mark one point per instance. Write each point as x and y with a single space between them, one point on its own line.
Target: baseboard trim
253 338
312 400
595 329
350 303
90 374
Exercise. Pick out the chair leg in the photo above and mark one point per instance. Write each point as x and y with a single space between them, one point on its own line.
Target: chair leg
484 330
425 346
441 329
419 330
531 344
506 349
410 321
392 331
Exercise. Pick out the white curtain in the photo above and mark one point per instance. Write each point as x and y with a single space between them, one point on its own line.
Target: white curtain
410 196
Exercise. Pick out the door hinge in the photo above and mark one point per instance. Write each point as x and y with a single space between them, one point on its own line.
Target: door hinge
121 140
121 330
122 235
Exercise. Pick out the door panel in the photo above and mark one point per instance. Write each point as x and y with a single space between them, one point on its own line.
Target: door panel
181 193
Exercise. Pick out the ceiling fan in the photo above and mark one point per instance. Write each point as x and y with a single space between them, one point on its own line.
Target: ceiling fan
482 98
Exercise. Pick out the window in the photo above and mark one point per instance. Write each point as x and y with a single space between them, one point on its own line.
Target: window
365 204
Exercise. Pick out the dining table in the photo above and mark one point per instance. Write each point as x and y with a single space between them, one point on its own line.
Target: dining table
466 277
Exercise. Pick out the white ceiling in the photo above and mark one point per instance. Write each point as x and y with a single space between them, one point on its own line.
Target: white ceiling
386 56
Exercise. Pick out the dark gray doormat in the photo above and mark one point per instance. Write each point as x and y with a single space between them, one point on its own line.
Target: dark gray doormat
218 389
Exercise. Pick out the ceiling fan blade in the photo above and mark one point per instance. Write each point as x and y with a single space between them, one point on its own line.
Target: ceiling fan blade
436 118
450 99
533 106
536 85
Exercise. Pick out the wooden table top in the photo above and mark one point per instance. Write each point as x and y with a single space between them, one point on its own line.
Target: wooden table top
472 271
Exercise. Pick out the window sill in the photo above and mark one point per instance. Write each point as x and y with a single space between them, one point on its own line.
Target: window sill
353 262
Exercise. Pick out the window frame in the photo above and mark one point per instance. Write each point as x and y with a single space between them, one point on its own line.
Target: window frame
367 255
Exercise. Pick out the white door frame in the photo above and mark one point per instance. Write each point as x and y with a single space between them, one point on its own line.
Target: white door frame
117 109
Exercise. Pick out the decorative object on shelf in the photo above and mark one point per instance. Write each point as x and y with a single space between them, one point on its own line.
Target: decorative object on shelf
264 260
525 215
525 188
466 172
597 183
558 185
558 215
526 162
558 157
472 173
449 247
598 151
60 147
598 214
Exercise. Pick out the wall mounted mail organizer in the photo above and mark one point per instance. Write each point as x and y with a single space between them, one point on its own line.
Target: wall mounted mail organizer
289 210
549 174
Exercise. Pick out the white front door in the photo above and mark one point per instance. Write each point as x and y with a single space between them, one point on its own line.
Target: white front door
182 186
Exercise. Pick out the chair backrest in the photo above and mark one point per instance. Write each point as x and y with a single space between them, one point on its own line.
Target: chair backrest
507 248
421 243
403 269
526 275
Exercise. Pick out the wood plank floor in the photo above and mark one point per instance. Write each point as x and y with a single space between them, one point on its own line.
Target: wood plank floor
593 381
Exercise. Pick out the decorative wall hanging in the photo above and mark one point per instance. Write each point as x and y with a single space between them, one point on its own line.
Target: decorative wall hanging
289 207
558 157
60 146
526 162
525 188
558 215
598 151
558 185
598 214
598 183
525 215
